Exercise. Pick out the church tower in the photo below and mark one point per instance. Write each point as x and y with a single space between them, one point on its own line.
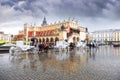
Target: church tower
44 22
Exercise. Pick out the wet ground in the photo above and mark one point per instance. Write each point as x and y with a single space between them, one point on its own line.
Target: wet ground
79 64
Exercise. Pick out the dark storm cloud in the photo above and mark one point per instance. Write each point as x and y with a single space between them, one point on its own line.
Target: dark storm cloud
10 2
94 14
92 8
25 5
82 8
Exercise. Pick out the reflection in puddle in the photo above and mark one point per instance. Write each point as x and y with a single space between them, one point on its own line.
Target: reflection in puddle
60 61
78 64
62 56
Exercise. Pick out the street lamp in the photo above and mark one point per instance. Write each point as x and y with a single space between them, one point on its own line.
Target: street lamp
11 38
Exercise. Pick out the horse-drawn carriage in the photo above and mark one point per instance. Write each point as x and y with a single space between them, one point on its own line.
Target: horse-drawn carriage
81 44
62 45
20 47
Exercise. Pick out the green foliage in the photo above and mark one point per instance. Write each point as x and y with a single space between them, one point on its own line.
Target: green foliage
2 42
106 41
26 43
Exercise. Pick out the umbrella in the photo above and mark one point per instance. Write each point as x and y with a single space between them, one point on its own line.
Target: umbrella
33 39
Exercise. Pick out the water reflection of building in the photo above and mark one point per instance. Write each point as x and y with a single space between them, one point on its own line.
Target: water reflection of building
71 63
62 56
69 30
68 63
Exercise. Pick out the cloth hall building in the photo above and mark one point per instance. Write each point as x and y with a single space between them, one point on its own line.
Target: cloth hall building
65 30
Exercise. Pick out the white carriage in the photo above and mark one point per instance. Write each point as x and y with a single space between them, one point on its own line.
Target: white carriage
81 44
61 45
20 47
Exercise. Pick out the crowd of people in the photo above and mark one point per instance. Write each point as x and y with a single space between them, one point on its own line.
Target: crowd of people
45 46
41 46
92 44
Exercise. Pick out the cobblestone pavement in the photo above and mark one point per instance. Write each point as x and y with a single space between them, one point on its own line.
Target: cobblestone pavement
95 64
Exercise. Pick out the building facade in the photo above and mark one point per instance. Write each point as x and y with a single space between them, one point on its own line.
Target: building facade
5 37
67 30
111 35
19 36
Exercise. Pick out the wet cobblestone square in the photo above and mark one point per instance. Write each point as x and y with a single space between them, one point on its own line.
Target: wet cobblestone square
102 63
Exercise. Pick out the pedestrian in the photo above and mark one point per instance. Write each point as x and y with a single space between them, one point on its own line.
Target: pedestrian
46 47
35 43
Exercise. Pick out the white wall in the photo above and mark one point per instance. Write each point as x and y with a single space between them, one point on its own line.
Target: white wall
82 35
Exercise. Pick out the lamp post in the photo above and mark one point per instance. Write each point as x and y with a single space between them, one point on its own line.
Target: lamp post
11 38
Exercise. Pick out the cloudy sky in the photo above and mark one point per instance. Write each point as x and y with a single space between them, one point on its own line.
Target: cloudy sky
93 14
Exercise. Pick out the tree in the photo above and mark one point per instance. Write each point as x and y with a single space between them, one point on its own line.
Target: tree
106 41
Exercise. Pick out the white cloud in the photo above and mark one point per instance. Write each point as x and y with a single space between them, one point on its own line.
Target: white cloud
21 3
95 14
11 27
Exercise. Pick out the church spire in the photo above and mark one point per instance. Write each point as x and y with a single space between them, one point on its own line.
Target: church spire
44 21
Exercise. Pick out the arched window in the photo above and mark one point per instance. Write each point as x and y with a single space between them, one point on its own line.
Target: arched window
43 40
74 39
78 39
39 39
47 39
51 40
56 39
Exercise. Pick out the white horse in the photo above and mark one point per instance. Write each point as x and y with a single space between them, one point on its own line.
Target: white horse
81 45
62 45
20 48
